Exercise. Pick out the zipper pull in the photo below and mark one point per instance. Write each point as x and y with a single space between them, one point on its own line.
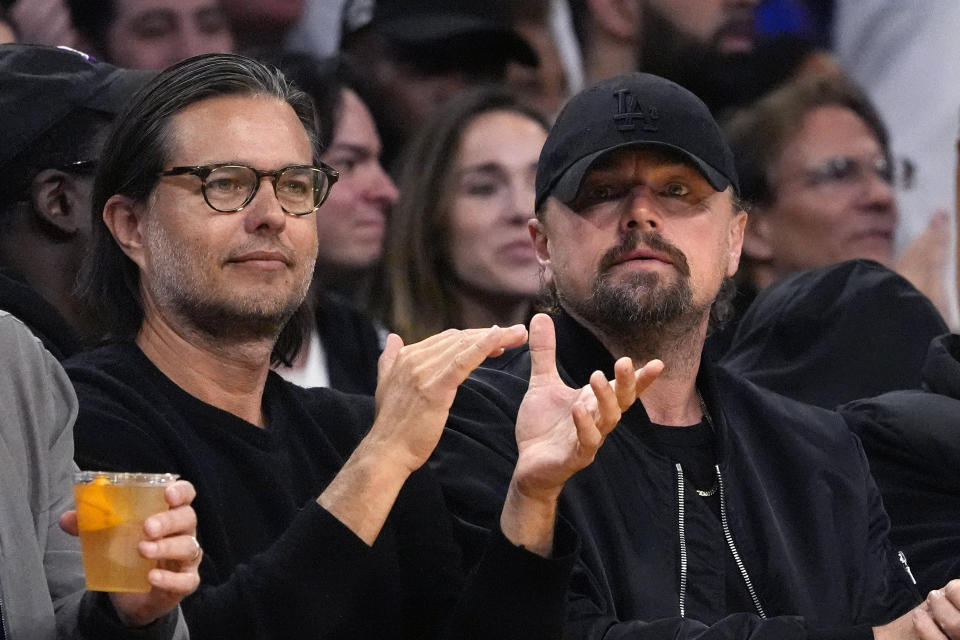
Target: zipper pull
906 567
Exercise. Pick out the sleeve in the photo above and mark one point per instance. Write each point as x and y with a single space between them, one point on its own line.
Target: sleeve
317 575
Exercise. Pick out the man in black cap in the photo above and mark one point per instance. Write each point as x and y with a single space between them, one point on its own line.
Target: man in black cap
55 105
716 509
421 53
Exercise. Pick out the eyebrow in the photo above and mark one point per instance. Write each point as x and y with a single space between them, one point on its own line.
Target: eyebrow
489 167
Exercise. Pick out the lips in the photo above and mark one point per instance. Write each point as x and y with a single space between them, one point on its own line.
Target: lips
265 257
645 253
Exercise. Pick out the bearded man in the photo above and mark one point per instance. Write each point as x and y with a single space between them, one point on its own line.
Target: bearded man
715 509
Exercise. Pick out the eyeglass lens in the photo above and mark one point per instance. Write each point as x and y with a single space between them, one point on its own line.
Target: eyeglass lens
298 189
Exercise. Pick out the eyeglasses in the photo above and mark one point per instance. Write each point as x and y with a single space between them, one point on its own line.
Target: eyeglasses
846 170
228 188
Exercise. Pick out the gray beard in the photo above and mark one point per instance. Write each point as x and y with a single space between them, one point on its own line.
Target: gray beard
224 320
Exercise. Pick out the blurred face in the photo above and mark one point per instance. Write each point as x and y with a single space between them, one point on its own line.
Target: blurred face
351 221
154 34
271 12
647 241
492 201
244 272
726 26
6 33
834 199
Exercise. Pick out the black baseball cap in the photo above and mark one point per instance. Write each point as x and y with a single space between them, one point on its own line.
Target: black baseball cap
40 86
628 110
416 22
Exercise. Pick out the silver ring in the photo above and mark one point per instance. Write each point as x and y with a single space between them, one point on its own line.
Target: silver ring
196 554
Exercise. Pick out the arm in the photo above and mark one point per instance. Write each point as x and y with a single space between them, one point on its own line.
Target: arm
559 431
416 387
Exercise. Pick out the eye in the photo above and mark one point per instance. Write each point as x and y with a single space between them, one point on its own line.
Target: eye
297 187
481 189
224 185
676 190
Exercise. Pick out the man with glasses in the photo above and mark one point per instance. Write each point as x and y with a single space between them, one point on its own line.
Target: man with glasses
55 105
315 524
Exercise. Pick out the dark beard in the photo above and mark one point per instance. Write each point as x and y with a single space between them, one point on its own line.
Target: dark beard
229 324
722 81
639 309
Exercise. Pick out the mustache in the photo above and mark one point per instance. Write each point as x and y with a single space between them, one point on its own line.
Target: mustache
247 248
634 239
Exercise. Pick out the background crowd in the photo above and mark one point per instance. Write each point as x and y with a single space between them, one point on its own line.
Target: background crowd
433 114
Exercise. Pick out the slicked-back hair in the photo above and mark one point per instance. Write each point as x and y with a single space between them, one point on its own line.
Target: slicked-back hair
758 133
418 283
139 147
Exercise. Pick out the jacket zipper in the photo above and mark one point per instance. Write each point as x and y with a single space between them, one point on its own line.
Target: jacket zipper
906 567
683 543
733 547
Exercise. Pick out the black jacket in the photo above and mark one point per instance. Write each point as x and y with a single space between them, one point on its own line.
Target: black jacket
835 334
801 512
912 439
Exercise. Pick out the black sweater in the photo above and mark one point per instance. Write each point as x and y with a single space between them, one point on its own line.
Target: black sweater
276 564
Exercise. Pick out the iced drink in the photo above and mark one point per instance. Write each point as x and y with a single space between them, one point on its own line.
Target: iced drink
111 509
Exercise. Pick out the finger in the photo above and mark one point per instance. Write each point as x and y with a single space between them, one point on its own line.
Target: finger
68 522
177 583
543 348
180 549
180 493
173 522
390 352
469 353
588 435
608 402
944 613
925 626
624 382
647 374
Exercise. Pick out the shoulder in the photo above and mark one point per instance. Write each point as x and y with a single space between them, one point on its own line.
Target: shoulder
755 412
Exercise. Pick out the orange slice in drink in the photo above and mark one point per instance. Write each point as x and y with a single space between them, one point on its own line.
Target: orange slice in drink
95 508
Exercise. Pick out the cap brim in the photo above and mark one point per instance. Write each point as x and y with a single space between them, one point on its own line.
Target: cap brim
567 187
428 29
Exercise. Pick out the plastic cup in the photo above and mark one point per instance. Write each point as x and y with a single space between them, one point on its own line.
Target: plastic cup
111 510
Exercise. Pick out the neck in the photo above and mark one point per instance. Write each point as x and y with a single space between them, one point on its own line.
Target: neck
672 398
485 310
608 56
50 269
230 376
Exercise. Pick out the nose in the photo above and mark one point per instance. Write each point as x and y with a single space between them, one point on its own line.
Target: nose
641 210
522 197
383 188
264 213
878 193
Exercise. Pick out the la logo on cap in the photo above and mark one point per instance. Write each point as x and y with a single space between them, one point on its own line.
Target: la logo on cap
630 113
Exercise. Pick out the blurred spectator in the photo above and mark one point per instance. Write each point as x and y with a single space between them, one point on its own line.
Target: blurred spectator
42 22
344 346
908 61
458 253
319 28
7 33
150 34
421 53
262 24
55 106
708 46
815 164
544 86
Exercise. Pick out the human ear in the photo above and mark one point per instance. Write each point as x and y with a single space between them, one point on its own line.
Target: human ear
758 236
737 226
541 245
58 202
124 219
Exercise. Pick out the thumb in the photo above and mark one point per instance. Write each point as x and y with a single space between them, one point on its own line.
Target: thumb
543 348
390 352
